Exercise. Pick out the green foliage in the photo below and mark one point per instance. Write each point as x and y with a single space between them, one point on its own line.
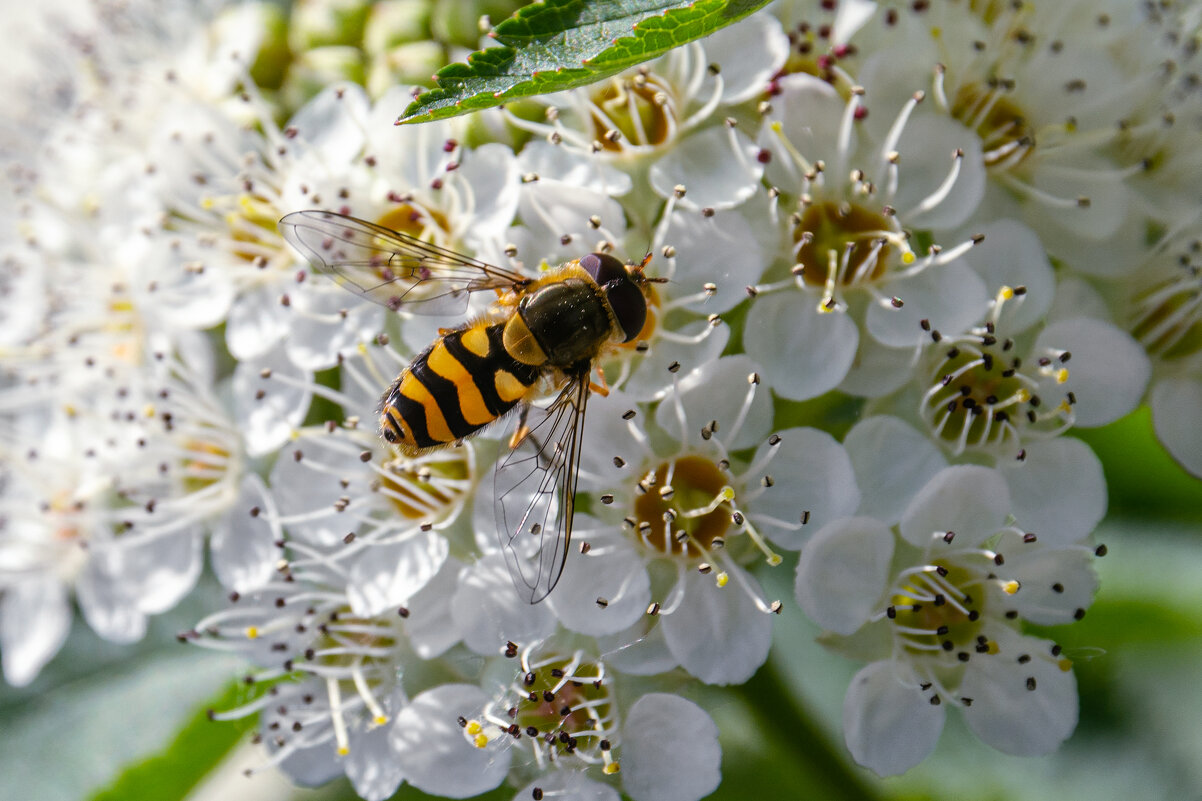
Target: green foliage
196 750
561 44
1141 476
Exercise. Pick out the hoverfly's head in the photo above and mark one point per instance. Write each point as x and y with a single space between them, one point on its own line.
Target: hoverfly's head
623 288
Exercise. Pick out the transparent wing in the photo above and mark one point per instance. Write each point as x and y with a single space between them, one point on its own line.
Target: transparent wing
536 491
393 269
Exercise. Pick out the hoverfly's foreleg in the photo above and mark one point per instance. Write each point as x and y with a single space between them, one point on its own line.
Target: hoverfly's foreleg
600 386
520 432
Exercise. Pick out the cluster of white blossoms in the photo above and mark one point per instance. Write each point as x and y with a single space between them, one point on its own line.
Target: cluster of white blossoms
967 227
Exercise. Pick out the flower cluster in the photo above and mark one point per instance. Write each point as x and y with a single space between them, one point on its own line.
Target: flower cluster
967 227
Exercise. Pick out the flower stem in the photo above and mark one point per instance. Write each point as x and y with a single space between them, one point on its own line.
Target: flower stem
783 718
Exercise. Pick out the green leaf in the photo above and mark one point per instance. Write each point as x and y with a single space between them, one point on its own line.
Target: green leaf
197 748
561 44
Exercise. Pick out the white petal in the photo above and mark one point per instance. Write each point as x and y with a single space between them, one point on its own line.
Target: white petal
244 551
968 500
1020 707
1076 297
309 487
567 784
332 123
551 161
805 354
383 577
951 298
163 570
108 609
650 379
892 461
489 612
1108 370
718 391
372 765
433 752
256 322
35 618
268 420
842 573
1012 255
612 570
718 634
809 111
926 147
492 173
878 370
889 723
670 750
1058 491
641 650
328 323
749 54
722 250
431 627
1105 212
811 473
1175 403
1054 583
732 172
850 16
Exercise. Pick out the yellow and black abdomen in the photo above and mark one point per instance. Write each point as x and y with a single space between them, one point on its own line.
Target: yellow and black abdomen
461 383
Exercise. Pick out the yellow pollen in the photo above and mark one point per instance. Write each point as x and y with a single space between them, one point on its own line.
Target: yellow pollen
936 32
481 740
1010 587
826 307
1062 375
148 411
1065 407
1065 664
252 632
343 750
362 348
908 257
1022 395
776 127
380 720
207 203
611 768
993 649
722 579
728 493
774 559
69 410
474 727
1005 293
294 434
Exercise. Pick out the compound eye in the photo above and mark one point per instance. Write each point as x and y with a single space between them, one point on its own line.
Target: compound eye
603 268
630 307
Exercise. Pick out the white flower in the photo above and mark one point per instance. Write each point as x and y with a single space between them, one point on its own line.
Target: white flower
557 716
853 210
694 514
936 604
1162 310
1045 101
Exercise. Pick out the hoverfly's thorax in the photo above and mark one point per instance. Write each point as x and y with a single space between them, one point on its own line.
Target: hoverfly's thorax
568 319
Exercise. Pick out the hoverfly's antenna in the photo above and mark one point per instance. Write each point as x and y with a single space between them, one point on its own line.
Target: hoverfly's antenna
637 270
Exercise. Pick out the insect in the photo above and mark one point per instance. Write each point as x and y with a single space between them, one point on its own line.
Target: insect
540 337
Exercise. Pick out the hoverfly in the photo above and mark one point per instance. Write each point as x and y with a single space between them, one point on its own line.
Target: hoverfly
541 336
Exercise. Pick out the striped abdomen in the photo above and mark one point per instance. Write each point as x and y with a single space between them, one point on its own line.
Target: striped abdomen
463 382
